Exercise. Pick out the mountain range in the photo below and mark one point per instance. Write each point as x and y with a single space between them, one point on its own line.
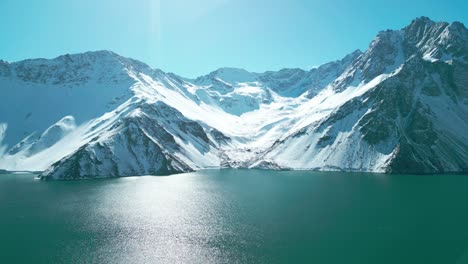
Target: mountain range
401 106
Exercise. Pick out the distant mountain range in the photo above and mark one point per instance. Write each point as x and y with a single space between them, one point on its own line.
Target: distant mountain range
399 107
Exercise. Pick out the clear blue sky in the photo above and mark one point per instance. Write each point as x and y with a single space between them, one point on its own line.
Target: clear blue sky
194 37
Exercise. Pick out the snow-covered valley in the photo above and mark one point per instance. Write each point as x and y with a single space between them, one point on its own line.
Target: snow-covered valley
399 107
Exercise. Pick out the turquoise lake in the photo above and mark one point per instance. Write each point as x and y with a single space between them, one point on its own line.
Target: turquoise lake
236 216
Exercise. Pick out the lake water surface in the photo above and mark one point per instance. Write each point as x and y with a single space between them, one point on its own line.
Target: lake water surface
236 216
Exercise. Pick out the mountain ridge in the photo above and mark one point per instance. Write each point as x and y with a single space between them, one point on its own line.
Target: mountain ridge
381 110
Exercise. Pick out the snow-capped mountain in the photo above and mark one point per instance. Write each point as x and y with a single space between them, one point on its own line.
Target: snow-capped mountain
399 107
409 116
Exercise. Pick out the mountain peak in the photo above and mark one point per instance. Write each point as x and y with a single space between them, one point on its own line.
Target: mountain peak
421 25
91 54
458 29
458 25
228 75
422 20
231 70
75 68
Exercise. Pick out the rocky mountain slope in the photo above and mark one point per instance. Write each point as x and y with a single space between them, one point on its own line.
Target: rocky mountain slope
399 107
413 120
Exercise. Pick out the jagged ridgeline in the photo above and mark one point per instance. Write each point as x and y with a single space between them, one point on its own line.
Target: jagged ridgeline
399 107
